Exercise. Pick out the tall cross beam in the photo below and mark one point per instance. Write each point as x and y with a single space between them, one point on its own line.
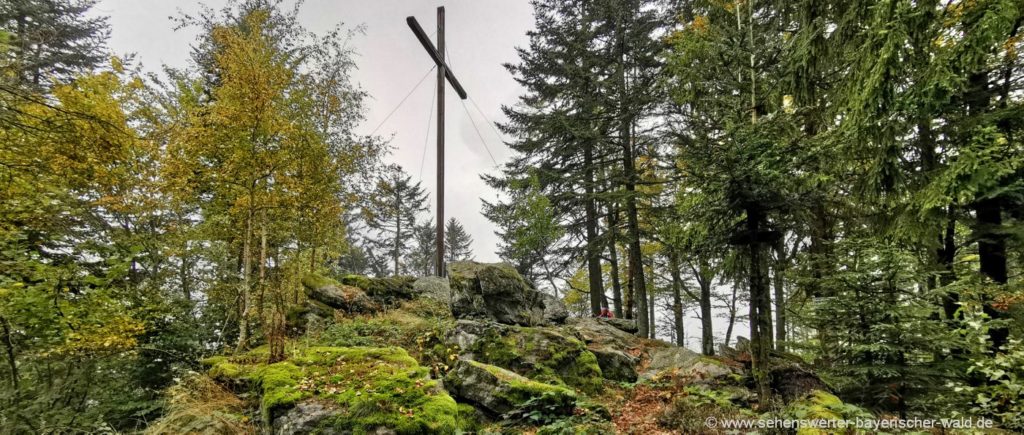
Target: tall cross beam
443 72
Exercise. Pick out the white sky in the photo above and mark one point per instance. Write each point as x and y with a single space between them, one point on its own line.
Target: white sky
480 35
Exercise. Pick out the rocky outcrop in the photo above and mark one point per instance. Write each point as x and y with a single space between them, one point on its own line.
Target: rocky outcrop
616 365
433 287
312 315
611 345
307 418
682 362
624 325
667 358
792 381
501 391
497 292
387 291
601 332
547 354
336 295
554 310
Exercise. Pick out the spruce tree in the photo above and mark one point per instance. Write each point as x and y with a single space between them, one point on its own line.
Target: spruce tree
392 212
51 38
458 244
424 251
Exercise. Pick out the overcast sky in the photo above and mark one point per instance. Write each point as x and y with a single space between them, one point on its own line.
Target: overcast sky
480 36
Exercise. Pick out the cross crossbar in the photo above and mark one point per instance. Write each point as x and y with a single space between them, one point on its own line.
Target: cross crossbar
432 51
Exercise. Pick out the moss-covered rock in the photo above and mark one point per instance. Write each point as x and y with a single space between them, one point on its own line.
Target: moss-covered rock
418 326
540 353
310 316
668 358
336 295
360 389
501 391
433 287
387 290
497 292
615 365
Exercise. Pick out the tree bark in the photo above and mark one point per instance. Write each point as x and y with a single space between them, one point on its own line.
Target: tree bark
630 311
629 173
732 313
398 224
947 256
760 323
992 256
243 321
677 298
263 264
778 274
651 314
593 248
707 340
613 260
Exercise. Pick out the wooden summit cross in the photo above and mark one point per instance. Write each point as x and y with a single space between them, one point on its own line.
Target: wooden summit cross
442 72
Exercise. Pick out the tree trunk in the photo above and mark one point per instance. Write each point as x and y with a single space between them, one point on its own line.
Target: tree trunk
183 274
760 324
630 312
947 256
243 321
651 316
398 225
635 253
677 298
629 173
613 260
12 362
732 313
779 274
988 211
707 340
992 256
263 264
593 248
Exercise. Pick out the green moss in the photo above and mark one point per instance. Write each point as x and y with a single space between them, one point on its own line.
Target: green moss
396 287
360 281
314 280
822 405
467 419
225 370
279 383
584 373
712 361
521 389
541 354
373 387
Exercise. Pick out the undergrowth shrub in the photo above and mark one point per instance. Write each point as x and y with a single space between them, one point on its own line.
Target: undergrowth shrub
198 405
